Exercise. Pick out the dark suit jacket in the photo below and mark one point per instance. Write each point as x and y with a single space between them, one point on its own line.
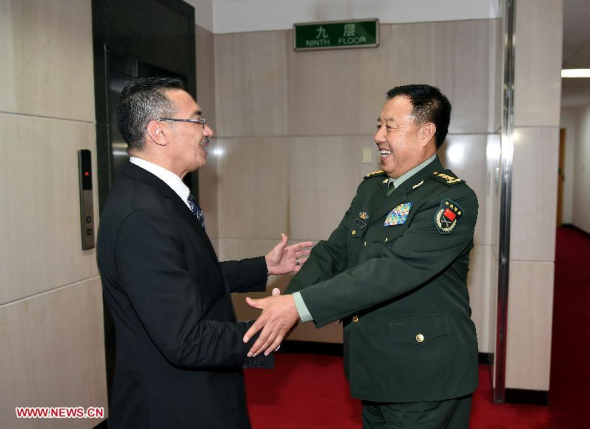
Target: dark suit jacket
399 284
179 348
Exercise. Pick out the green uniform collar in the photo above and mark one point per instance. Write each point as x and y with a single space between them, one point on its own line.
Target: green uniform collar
397 182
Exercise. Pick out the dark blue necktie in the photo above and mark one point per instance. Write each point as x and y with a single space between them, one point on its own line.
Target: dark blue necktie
197 211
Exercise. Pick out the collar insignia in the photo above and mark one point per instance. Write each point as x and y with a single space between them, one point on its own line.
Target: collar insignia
417 185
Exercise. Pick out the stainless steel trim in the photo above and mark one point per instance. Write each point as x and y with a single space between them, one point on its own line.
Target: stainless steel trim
505 200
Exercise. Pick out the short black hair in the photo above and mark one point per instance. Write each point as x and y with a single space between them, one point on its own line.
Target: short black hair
429 105
141 101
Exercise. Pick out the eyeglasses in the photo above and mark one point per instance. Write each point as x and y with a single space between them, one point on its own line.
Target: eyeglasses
194 121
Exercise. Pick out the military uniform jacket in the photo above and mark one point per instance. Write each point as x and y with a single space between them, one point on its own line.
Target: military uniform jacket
395 273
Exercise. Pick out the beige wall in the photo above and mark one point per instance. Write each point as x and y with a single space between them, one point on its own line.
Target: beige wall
51 324
291 127
534 188
576 121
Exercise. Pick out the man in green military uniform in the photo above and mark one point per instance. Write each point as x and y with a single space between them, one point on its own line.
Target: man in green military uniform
395 273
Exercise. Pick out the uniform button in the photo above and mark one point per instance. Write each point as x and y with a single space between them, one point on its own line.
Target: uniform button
420 338
355 319
386 239
365 244
353 231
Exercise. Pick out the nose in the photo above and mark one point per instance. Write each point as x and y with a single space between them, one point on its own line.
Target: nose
379 136
207 131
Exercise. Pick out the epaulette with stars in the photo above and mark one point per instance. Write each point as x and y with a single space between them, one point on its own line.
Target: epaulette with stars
374 174
447 177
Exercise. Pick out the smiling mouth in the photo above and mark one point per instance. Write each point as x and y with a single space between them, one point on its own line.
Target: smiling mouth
204 143
384 153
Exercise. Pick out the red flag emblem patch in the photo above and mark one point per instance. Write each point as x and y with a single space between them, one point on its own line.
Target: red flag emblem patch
448 215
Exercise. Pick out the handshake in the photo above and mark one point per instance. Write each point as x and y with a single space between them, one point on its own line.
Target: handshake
279 312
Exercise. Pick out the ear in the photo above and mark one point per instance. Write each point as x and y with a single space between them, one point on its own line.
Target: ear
427 132
157 133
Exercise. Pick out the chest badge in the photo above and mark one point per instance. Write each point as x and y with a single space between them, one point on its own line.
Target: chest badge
398 215
359 221
448 215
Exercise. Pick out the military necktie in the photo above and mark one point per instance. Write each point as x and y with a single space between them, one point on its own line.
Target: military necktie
390 188
197 211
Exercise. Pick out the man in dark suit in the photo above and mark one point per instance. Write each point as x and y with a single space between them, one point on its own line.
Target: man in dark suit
395 273
179 352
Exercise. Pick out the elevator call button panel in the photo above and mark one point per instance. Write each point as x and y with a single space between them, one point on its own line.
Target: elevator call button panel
86 199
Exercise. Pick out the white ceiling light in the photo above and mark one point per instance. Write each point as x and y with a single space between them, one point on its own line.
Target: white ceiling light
575 73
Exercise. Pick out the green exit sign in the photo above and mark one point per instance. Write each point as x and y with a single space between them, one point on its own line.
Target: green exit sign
362 33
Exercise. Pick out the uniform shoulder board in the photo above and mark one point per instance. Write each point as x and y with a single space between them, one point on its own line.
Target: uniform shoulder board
374 174
447 177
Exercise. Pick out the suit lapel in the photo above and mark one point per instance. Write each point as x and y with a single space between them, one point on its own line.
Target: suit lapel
172 201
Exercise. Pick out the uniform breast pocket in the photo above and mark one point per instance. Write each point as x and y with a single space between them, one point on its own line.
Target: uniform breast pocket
354 244
419 330
385 237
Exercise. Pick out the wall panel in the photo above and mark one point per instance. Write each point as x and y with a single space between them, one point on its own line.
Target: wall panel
534 191
52 355
40 216
528 346
251 84
537 78
49 68
253 183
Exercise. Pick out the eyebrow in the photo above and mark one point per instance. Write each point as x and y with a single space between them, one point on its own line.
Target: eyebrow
197 113
390 119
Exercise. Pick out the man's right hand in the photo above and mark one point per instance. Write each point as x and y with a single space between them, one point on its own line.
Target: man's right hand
279 315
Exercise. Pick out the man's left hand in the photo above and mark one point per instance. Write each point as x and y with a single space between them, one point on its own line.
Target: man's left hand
283 259
279 315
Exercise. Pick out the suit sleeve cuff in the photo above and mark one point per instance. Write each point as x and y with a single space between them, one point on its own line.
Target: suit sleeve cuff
304 313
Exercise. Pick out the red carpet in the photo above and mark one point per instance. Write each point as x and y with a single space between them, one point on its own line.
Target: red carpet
303 391
311 392
570 354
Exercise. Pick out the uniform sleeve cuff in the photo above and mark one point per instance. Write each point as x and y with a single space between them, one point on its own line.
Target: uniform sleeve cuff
304 313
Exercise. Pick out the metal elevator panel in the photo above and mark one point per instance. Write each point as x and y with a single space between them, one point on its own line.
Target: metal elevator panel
86 199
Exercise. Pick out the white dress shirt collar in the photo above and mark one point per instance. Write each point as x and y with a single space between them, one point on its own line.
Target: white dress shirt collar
171 179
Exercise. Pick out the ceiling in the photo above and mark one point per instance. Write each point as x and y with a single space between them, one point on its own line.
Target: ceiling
576 51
